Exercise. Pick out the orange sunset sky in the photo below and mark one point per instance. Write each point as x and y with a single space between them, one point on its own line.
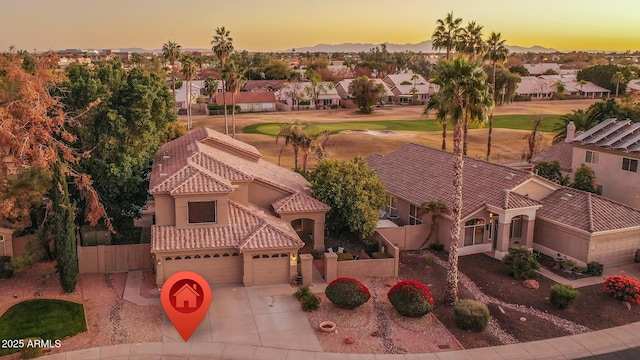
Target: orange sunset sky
270 25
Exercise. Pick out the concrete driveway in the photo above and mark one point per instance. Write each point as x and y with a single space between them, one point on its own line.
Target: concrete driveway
267 316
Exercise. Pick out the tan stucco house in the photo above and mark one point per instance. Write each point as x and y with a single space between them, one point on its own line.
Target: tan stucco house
502 207
223 212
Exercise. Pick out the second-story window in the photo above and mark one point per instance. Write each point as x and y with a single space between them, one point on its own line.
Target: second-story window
630 164
591 157
202 212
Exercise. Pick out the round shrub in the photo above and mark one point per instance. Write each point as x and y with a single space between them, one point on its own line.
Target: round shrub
471 315
623 287
521 263
347 293
6 268
563 295
594 268
411 298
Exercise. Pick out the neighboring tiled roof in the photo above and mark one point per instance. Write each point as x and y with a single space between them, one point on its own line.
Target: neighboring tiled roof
202 183
417 173
247 97
344 85
251 85
299 202
420 89
398 79
561 152
218 167
247 229
612 134
587 212
514 200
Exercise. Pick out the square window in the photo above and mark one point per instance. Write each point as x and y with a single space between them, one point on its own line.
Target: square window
202 212
630 164
591 157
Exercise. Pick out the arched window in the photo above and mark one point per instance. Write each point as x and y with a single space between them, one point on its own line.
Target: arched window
474 232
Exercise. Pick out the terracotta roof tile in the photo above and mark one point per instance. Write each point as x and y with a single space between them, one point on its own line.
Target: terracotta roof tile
587 212
202 183
514 200
220 168
561 152
418 174
247 228
299 202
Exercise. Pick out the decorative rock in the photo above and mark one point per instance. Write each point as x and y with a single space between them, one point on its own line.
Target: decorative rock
531 284
627 305
349 341
501 309
523 319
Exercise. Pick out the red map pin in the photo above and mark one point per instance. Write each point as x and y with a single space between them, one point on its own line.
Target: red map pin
186 297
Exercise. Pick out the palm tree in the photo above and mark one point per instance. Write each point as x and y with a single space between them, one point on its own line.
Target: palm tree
462 84
235 81
496 51
189 71
434 208
293 133
222 47
210 87
435 103
582 120
617 78
414 91
171 53
447 34
471 42
313 139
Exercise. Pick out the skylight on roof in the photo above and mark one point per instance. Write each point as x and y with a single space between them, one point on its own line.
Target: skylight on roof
566 197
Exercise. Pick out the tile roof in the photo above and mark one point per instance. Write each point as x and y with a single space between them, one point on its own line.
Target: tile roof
398 79
343 86
248 229
251 85
418 174
587 212
561 152
514 200
247 97
202 183
299 202
612 134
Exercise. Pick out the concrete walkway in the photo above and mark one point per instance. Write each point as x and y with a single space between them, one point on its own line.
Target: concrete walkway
132 290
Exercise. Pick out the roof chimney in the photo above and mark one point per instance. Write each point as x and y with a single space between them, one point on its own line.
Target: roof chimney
571 131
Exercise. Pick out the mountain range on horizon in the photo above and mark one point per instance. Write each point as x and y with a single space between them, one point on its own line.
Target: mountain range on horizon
424 46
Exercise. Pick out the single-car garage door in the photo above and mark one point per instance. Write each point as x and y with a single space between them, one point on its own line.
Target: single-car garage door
218 268
270 269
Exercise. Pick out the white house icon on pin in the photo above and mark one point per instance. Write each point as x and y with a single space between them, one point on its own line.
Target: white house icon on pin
186 297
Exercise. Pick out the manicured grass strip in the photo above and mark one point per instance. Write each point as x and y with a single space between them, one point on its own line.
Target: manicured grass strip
516 122
46 319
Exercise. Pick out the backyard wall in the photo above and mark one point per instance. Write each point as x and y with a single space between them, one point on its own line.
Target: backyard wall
550 239
408 237
114 258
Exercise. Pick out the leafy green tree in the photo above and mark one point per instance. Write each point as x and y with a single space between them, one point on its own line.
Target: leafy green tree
354 193
171 53
366 93
602 75
585 179
520 70
64 230
277 70
316 86
551 170
447 34
222 47
496 52
463 92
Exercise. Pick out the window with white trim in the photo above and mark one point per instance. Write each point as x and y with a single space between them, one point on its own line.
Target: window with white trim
474 232
413 215
202 212
591 157
391 206
516 228
629 164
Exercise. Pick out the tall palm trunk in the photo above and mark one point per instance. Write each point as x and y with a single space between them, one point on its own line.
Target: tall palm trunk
465 131
233 113
188 104
173 80
295 157
444 135
451 294
224 101
491 115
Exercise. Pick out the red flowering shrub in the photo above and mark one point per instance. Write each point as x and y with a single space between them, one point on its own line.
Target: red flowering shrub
411 298
623 287
347 293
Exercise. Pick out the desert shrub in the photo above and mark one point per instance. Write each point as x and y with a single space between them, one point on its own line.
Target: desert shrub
594 268
563 295
347 293
316 254
309 302
521 263
471 315
370 247
345 256
334 106
380 255
436 247
301 292
568 264
623 287
430 260
580 269
30 352
6 268
411 298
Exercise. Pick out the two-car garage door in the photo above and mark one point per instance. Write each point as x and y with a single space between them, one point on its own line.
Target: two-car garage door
215 268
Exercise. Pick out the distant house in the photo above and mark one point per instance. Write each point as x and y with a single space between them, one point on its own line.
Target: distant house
406 89
326 99
250 101
502 208
536 88
263 85
342 87
546 86
6 239
541 68
633 86
587 90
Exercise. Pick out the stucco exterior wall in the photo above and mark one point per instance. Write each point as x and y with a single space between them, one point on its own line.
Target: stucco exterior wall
614 248
165 210
617 184
551 238
264 195
535 188
240 194
182 213
408 237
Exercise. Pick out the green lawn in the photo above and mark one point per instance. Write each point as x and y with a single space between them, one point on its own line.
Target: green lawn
517 122
46 319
